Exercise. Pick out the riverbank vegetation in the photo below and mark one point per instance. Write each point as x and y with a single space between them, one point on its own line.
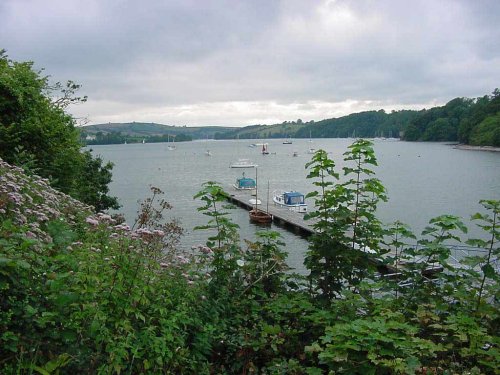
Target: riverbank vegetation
472 121
87 293
462 120
37 134
84 292
114 138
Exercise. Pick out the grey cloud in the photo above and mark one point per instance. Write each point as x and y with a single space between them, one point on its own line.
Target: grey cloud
160 54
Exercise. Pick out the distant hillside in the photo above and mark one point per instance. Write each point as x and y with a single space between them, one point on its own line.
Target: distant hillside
469 121
147 129
283 130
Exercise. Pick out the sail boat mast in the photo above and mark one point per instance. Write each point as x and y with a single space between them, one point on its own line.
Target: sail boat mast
256 187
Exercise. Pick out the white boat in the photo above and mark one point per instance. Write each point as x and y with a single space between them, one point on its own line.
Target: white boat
257 144
311 151
208 153
171 147
243 163
293 200
254 201
287 141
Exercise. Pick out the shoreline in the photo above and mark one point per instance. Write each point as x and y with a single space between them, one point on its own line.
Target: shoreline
476 148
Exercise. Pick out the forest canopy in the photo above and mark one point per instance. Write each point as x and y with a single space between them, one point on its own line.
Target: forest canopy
469 121
37 134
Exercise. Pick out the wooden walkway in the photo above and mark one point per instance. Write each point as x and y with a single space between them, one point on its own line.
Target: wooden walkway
282 216
294 222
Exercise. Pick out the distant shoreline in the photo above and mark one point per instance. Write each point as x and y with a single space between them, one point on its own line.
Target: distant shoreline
476 148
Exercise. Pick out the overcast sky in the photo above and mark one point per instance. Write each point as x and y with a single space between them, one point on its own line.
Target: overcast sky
237 63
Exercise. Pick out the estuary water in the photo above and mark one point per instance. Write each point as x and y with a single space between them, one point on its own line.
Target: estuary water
423 180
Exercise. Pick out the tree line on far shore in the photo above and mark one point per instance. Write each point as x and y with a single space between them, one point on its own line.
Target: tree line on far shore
117 137
464 120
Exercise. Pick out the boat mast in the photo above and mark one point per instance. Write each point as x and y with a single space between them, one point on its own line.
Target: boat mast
256 185
267 202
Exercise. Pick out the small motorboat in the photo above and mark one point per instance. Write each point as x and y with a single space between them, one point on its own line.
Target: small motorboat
254 201
243 163
293 200
244 183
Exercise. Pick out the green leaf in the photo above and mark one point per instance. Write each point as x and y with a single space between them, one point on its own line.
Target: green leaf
488 271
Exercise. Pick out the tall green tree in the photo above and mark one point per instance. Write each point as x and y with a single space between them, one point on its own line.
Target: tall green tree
347 231
38 134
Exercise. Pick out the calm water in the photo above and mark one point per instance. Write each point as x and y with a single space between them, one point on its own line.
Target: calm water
423 180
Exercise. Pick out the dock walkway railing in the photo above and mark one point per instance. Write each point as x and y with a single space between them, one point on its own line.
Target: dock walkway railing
295 222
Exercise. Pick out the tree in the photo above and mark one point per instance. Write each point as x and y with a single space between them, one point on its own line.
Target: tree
347 233
37 134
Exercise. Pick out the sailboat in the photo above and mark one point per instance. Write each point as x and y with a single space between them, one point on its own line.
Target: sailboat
264 149
257 215
171 147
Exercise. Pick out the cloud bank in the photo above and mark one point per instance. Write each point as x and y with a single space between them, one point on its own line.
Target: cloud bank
255 62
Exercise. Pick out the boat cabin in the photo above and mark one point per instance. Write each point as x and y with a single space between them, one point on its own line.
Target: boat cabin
245 183
293 198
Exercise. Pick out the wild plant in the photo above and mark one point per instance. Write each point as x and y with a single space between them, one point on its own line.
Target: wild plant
348 233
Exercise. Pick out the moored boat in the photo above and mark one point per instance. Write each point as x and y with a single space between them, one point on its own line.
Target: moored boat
171 146
260 216
244 183
293 200
243 163
254 201
257 215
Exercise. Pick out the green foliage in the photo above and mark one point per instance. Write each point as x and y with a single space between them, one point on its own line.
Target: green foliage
85 293
383 343
367 124
92 183
37 134
481 125
469 121
487 132
347 229
439 123
490 277
89 301
224 239
116 137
